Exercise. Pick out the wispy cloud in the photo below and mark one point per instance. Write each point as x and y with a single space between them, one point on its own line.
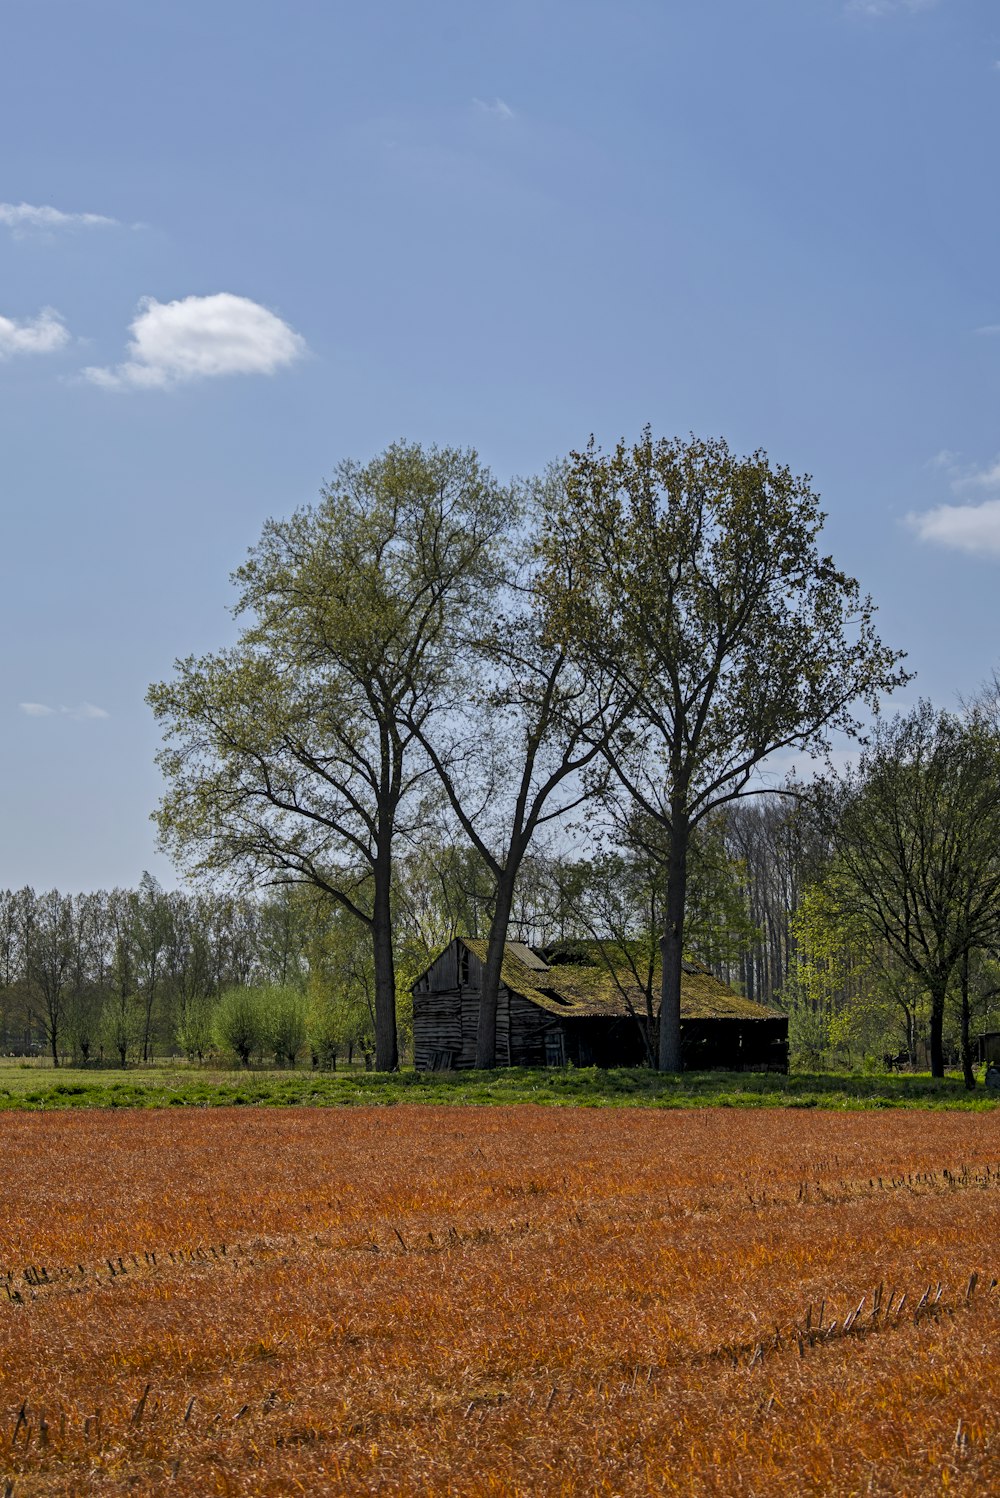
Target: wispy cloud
497 107
84 712
989 330
971 525
887 7
38 218
199 337
43 334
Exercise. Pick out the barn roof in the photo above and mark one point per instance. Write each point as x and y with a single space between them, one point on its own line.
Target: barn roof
575 981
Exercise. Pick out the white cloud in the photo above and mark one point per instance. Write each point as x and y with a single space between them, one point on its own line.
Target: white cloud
85 710
497 108
43 334
978 478
27 218
989 330
973 528
82 713
966 478
972 525
198 337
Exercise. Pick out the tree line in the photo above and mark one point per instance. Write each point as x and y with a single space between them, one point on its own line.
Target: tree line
121 976
117 976
775 906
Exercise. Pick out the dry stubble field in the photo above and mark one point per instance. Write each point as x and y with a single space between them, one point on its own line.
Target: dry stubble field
499 1301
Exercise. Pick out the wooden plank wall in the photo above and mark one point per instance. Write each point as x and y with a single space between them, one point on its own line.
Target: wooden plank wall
446 1014
437 1028
529 1026
437 1013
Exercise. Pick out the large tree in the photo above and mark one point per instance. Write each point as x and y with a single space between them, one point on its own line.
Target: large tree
694 577
915 827
290 756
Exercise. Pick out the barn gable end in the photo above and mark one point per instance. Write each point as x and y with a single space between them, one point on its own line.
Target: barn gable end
446 1012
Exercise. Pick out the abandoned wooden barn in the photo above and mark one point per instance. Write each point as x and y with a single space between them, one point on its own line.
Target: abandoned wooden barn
565 1004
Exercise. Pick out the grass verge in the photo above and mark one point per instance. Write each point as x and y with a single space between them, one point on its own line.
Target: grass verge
30 1088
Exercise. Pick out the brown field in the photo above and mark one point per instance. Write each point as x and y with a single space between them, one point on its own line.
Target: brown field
499 1301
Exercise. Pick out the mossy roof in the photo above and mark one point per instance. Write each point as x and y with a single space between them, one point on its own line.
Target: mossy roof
587 988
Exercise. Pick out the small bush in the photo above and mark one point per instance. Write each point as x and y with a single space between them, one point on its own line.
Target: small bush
808 1039
196 1029
285 1014
241 1023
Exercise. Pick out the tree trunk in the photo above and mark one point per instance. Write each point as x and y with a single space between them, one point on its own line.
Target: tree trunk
146 1025
672 947
911 1033
967 1072
386 1045
486 1029
648 1036
938 989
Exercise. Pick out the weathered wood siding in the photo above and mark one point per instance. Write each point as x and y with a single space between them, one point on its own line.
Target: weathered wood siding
529 1028
437 1013
446 1013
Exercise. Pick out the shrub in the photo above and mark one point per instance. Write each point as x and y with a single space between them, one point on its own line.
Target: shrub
808 1038
337 1023
240 1023
196 1029
121 1025
285 1018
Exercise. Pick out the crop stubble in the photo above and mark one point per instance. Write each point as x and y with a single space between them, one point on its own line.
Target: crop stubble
438 1300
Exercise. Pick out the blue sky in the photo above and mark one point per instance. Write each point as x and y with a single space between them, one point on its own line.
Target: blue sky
239 242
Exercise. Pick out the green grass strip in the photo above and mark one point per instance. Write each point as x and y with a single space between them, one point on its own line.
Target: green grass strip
34 1088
